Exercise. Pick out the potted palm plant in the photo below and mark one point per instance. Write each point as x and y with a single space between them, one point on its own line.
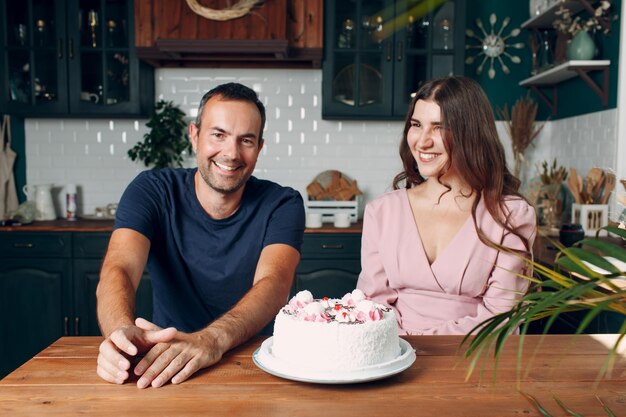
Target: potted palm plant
589 277
167 142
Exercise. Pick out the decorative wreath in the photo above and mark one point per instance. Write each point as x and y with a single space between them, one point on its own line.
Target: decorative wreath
239 9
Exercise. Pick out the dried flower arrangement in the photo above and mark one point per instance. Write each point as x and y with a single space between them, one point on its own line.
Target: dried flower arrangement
600 20
521 126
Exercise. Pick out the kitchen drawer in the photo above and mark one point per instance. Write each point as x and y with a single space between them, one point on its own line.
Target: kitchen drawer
35 245
90 245
329 246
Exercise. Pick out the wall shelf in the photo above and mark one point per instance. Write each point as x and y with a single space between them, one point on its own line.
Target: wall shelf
544 20
565 71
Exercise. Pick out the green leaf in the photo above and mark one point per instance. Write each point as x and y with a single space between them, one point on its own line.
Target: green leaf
607 410
606 248
615 230
560 403
536 403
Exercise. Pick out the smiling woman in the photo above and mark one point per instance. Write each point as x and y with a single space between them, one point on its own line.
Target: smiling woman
429 248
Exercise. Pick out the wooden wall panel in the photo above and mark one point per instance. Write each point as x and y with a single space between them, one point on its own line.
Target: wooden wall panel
173 19
314 32
296 22
143 23
170 33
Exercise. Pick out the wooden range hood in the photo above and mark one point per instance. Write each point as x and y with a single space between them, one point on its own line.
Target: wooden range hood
276 34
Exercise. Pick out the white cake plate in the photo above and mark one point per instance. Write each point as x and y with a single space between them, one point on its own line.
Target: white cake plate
264 359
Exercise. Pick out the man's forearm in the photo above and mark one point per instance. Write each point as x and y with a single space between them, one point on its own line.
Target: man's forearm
116 301
257 308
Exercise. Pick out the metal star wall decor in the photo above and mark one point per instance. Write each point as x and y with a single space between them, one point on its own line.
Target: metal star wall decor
493 46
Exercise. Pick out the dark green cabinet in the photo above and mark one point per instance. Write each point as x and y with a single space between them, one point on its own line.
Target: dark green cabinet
378 52
89 249
72 57
330 264
48 286
35 294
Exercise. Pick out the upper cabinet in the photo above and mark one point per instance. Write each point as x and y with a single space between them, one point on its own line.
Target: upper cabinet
276 33
379 52
72 58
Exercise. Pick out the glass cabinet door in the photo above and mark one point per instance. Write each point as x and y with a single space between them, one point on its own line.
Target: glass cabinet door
379 52
33 55
359 52
428 31
71 57
100 55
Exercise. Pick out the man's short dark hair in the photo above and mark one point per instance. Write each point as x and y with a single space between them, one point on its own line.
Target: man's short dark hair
233 91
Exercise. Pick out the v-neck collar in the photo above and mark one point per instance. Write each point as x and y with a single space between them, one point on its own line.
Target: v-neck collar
446 249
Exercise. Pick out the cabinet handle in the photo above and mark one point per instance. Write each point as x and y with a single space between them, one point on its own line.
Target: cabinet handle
338 246
70 49
400 48
66 326
76 326
60 49
23 245
388 57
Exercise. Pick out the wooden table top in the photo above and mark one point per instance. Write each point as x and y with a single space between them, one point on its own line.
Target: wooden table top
62 381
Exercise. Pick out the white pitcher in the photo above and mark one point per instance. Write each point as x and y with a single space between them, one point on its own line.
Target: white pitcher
42 195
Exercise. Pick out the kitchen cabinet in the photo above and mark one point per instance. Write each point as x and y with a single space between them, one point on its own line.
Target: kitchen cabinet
379 52
556 72
35 296
89 249
72 58
48 289
330 264
277 33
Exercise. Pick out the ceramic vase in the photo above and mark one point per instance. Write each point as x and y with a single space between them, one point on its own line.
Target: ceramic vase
581 47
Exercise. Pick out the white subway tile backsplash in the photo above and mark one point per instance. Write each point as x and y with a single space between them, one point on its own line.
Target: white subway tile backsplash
299 144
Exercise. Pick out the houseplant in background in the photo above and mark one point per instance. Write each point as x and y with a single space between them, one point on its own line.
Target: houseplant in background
589 277
167 142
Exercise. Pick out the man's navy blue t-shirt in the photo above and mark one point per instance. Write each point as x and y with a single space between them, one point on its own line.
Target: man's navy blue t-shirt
201 267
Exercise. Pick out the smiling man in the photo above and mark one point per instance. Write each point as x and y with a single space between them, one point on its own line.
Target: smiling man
221 247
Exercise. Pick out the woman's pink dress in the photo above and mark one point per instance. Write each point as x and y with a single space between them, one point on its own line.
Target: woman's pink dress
467 283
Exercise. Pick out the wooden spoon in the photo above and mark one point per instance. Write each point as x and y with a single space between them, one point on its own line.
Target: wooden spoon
572 185
609 185
593 182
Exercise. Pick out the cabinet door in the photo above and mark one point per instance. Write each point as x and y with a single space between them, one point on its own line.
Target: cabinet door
86 277
431 44
104 73
35 307
34 65
331 278
72 57
358 61
378 53
330 264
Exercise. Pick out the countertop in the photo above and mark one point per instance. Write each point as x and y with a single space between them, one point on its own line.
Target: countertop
84 225
62 381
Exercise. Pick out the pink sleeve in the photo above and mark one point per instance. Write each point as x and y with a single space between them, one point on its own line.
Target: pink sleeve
373 281
504 287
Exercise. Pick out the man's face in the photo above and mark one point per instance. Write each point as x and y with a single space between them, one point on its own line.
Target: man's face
227 144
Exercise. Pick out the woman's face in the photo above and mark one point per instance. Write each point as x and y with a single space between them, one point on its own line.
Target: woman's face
425 139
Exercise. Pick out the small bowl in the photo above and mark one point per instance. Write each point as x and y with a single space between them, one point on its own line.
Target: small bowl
571 233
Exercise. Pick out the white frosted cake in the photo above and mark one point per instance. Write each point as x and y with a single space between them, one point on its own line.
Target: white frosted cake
335 334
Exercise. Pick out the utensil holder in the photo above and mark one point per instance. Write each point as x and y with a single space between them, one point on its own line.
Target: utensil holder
591 216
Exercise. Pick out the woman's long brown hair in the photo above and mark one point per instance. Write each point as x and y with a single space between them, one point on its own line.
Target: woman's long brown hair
472 141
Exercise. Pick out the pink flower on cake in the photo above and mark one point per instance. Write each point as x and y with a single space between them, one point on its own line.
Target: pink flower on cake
370 309
300 300
351 299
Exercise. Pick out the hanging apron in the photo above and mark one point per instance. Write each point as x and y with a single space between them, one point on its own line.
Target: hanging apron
8 193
